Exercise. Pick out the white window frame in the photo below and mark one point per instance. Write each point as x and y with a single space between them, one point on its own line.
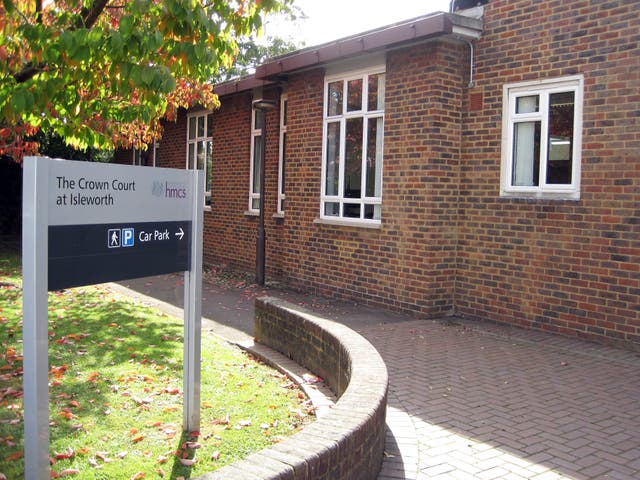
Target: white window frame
192 163
367 115
541 88
256 132
282 153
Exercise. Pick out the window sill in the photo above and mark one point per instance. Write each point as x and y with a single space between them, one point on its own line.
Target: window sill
251 213
278 215
543 196
347 223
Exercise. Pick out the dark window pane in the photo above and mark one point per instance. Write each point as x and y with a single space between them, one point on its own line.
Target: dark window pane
210 125
334 100
560 148
353 159
259 118
257 162
374 157
354 95
352 210
192 127
285 106
284 162
376 92
333 158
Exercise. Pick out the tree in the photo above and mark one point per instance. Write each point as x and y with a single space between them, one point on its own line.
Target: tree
103 73
251 54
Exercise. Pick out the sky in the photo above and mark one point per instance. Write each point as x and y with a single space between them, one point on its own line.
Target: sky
333 19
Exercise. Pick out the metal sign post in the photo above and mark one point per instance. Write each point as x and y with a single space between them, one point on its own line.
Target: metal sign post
87 223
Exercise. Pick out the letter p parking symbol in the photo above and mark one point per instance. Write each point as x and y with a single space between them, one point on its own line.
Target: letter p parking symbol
128 237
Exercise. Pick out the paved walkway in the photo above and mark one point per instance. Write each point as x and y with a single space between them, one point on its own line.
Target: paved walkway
472 400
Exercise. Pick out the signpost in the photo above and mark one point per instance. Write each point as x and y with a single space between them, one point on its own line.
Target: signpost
86 223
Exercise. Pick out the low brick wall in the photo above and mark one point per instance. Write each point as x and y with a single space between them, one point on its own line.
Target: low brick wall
348 442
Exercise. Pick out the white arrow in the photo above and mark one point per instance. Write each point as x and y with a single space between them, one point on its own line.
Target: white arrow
180 234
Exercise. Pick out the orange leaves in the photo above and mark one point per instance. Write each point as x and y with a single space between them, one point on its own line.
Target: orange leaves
58 372
70 453
14 456
137 476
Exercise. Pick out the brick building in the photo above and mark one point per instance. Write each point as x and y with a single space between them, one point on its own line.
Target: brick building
483 163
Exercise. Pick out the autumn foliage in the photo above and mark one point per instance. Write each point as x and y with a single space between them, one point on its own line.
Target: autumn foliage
102 73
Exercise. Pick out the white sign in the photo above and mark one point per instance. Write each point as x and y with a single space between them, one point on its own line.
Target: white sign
86 223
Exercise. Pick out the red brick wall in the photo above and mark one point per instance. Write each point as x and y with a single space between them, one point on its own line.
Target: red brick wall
565 266
409 262
448 242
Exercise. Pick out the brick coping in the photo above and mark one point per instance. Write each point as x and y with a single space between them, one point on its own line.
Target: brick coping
346 442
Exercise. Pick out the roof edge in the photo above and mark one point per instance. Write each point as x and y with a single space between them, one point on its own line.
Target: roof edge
408 31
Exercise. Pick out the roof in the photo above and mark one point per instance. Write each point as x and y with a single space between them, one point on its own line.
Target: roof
390 36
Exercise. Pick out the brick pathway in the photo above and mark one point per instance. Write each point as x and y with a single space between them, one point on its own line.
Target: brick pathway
493 403
472 400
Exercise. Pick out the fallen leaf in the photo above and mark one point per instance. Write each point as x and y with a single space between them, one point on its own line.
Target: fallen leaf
188 462
14 456
62 456
137 476
68 471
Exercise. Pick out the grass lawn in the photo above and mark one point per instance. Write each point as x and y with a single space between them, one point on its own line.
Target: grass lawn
115 391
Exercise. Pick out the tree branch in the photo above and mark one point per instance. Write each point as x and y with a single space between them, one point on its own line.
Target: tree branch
90 15
88 18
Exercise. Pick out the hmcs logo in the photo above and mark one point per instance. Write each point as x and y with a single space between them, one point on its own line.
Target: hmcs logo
169 189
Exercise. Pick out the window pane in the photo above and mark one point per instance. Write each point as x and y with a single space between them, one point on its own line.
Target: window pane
191 156
257 161
258 117
201 126
352 210
332 209
210 125
528 104
372 212
526 154
354 95
202 155
376 92
560 153
255 204
353 159
334 100
209 162
192 127
285 107
333 158
284 163
374 157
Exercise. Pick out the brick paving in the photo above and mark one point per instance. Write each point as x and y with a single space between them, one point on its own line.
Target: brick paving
470 400
473 401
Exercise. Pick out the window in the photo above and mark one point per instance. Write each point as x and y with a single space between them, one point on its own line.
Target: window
145 157
352 150
257 117
282 159
200 147
542 136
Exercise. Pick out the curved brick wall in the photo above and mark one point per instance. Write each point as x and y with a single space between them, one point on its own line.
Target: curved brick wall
348 442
